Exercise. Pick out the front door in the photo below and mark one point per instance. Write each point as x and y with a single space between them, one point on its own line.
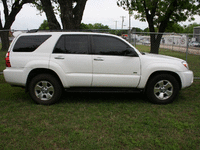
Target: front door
111 66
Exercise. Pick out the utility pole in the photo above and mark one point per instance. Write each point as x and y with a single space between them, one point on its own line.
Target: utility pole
130 14
115 24
123 20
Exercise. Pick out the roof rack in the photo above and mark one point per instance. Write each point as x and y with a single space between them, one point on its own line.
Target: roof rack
32 31
70 30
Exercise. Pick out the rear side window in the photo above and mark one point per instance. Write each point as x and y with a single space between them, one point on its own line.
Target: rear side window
72 44
29 43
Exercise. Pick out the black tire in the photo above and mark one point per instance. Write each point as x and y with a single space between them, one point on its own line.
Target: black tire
45 89
162 89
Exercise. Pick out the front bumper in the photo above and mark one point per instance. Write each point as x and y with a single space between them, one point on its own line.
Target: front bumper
187 78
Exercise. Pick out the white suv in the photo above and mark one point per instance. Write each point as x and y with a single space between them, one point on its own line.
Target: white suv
46 63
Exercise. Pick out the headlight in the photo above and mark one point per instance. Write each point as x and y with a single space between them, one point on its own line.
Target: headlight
185 64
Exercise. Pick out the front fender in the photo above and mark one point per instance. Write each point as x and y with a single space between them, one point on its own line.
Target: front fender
148 70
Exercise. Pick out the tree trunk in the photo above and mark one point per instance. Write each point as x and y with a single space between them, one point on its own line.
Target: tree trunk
67 15
150 15
155 42
9 19
156 37
51 18
5 40
71 15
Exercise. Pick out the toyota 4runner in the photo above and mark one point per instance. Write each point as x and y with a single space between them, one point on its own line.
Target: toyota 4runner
45 63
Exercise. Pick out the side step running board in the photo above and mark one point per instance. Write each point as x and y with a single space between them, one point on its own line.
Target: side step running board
104 90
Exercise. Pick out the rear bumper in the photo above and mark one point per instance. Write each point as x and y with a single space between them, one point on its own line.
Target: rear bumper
15 77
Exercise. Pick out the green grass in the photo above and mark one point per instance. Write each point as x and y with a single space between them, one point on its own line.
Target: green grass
2 60
101 121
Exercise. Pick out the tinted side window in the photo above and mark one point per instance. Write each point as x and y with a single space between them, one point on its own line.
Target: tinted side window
72 44
29 43
105 45
60 46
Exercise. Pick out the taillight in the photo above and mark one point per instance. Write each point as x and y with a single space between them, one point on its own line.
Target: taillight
8 60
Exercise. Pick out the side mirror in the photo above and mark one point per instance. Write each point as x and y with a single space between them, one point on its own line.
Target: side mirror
130 52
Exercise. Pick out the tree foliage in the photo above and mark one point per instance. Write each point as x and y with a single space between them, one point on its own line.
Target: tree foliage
11 9
44 25
93 26
174 27
190 28
159 13
83 26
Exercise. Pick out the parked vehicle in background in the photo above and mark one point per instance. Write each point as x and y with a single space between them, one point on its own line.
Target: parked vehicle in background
146 42
45 63
194 44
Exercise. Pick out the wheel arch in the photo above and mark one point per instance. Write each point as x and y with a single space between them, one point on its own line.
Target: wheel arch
165 72
38 71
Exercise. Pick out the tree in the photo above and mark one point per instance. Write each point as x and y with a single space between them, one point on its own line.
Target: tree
48 8
190 28
100 26
159 13
174 27
11 9
137 29
44 25
70 11
93 26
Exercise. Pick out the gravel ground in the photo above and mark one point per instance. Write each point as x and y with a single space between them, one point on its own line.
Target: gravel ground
191 50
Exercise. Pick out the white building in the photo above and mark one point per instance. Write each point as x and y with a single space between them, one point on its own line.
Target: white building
178 40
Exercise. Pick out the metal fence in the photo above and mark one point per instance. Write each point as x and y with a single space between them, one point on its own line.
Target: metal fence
186 43
181 42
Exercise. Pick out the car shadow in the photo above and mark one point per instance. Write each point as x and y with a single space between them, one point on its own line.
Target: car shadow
79 97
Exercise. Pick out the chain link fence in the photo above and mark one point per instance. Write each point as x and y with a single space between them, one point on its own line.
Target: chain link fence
186 43
180 42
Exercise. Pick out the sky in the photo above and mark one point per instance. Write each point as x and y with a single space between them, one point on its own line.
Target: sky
103 11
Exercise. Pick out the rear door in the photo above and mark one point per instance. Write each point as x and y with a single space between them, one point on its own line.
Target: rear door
111 66
71 55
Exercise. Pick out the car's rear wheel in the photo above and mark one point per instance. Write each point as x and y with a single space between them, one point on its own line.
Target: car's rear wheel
162 89
45 89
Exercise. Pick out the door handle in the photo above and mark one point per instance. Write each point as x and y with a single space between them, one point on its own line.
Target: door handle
59 57
98 59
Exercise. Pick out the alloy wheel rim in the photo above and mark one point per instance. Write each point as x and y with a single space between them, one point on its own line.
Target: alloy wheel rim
44 90
163 89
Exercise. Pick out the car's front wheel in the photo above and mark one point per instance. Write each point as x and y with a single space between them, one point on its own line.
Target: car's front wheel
45 89
162 89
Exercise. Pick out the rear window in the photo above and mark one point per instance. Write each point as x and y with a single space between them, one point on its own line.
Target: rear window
29 43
